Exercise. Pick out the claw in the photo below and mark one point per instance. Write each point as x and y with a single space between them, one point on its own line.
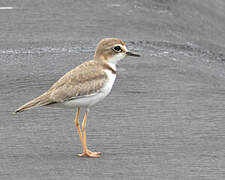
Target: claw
89 153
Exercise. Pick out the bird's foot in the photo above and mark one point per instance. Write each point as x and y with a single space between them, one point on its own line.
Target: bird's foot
89 153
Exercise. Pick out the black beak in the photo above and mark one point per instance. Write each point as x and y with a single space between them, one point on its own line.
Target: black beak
132 54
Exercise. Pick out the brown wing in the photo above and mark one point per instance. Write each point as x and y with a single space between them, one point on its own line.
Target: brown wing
85 79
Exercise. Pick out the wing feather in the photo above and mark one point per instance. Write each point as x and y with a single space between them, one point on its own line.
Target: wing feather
85 79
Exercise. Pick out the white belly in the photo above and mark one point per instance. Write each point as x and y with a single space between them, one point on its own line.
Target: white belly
92 99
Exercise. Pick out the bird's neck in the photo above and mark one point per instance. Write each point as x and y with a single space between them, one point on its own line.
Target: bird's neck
110 61
108 66
112 65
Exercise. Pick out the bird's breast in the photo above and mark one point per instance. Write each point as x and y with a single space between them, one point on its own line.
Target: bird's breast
111 77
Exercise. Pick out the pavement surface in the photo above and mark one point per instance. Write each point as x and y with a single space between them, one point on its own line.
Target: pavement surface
165 117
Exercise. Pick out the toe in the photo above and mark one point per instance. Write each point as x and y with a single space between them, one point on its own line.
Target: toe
94 152
89 154
82 155
94 155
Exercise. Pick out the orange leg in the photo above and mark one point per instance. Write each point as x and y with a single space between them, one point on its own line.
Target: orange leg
86 151
77 124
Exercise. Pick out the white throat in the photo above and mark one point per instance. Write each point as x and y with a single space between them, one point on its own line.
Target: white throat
115 59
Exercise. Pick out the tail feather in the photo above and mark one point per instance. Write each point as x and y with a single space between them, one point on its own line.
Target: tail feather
39 101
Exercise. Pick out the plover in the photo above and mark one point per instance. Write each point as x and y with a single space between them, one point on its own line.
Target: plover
85 85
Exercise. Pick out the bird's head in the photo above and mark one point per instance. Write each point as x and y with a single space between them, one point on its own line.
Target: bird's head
112 50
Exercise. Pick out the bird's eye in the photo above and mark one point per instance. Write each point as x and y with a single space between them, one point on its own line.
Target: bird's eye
117 49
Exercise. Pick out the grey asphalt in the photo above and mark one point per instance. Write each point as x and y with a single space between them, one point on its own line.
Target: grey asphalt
165 117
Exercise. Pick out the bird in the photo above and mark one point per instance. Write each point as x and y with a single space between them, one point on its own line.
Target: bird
84 86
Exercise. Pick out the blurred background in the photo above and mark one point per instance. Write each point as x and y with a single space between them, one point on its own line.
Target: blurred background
164 118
